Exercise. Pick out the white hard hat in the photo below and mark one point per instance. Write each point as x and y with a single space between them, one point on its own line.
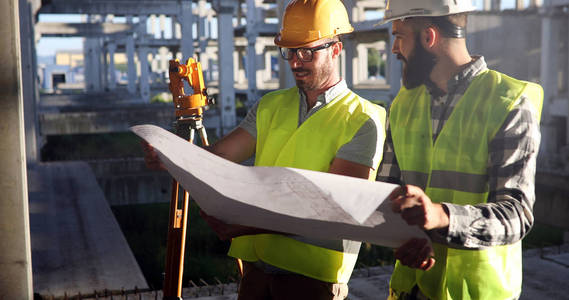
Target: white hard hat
401 9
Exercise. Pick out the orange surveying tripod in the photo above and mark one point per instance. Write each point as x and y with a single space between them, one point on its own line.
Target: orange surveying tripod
189 113
189 116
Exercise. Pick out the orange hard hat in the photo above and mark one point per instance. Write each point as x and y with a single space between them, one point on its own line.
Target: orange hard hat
306 21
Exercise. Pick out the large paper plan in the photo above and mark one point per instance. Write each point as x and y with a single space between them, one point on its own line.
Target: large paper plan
300 202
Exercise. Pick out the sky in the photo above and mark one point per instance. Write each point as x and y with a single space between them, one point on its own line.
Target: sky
48 46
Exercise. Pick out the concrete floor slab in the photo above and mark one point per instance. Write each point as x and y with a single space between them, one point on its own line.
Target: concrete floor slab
562 259
77 245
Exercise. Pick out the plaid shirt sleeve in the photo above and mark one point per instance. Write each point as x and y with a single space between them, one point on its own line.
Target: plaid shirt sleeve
508 214
388 168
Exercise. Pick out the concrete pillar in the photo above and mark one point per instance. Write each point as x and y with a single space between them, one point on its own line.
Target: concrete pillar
144 87
93 58
567 88
350 60
236 59
549 65
187 40
15 257
174 20
152 25
267 72
286 79
393 70
204 60
163 56
105 69
251 35
209 25
209 74
535 3
359 13
142 54
111 48
226 98
259 62
520 4
47 80
361 72
178 29
131 67
202 30
162 22
496 4
93 67
142 29
350 56
29 82
153 61
487 5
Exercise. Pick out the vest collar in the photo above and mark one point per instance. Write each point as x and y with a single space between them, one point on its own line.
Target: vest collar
460 79
329 95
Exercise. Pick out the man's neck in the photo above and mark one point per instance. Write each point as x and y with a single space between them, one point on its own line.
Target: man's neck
448 65
312 95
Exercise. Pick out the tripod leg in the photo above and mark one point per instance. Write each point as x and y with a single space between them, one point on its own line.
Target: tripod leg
203 136
176 244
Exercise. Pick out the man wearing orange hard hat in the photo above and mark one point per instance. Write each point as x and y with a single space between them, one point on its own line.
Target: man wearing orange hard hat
462 140
318 125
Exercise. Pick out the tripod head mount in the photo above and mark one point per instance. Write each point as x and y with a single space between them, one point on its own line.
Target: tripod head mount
188 106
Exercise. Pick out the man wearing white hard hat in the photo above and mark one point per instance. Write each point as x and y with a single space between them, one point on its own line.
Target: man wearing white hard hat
462 141
318 125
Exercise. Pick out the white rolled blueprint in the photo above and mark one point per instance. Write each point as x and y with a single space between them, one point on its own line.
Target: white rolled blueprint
301 202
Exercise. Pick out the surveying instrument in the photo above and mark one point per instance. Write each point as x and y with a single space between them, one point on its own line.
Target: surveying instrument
189 116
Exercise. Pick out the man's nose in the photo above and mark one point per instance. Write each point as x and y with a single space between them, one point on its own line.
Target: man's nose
395 48
295 62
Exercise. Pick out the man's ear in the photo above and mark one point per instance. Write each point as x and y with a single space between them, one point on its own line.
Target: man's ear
337 49
430 37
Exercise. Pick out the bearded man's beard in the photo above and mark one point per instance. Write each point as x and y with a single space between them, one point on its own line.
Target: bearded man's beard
417 68
317 75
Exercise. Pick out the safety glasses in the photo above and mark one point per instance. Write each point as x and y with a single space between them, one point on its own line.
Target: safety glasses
303 54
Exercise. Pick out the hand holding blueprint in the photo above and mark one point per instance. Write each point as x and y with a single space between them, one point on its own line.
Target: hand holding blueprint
301 202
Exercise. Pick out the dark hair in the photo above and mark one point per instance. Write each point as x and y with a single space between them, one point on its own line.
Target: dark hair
451 26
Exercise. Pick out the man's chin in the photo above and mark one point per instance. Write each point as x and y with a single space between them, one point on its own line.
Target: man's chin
301 84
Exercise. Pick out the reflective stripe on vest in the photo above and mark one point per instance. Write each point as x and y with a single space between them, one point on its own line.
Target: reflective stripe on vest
281 142
453 170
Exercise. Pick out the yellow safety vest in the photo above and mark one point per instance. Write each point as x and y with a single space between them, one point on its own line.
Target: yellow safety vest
453 170
312 146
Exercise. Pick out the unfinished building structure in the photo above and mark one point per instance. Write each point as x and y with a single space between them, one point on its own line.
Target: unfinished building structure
234 42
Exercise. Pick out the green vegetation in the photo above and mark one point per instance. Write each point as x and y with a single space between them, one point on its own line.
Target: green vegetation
376 65
145 227
162 98
121 67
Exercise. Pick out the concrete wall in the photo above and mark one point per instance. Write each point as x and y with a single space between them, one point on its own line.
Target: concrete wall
128 181
510 42
15 255
552 204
